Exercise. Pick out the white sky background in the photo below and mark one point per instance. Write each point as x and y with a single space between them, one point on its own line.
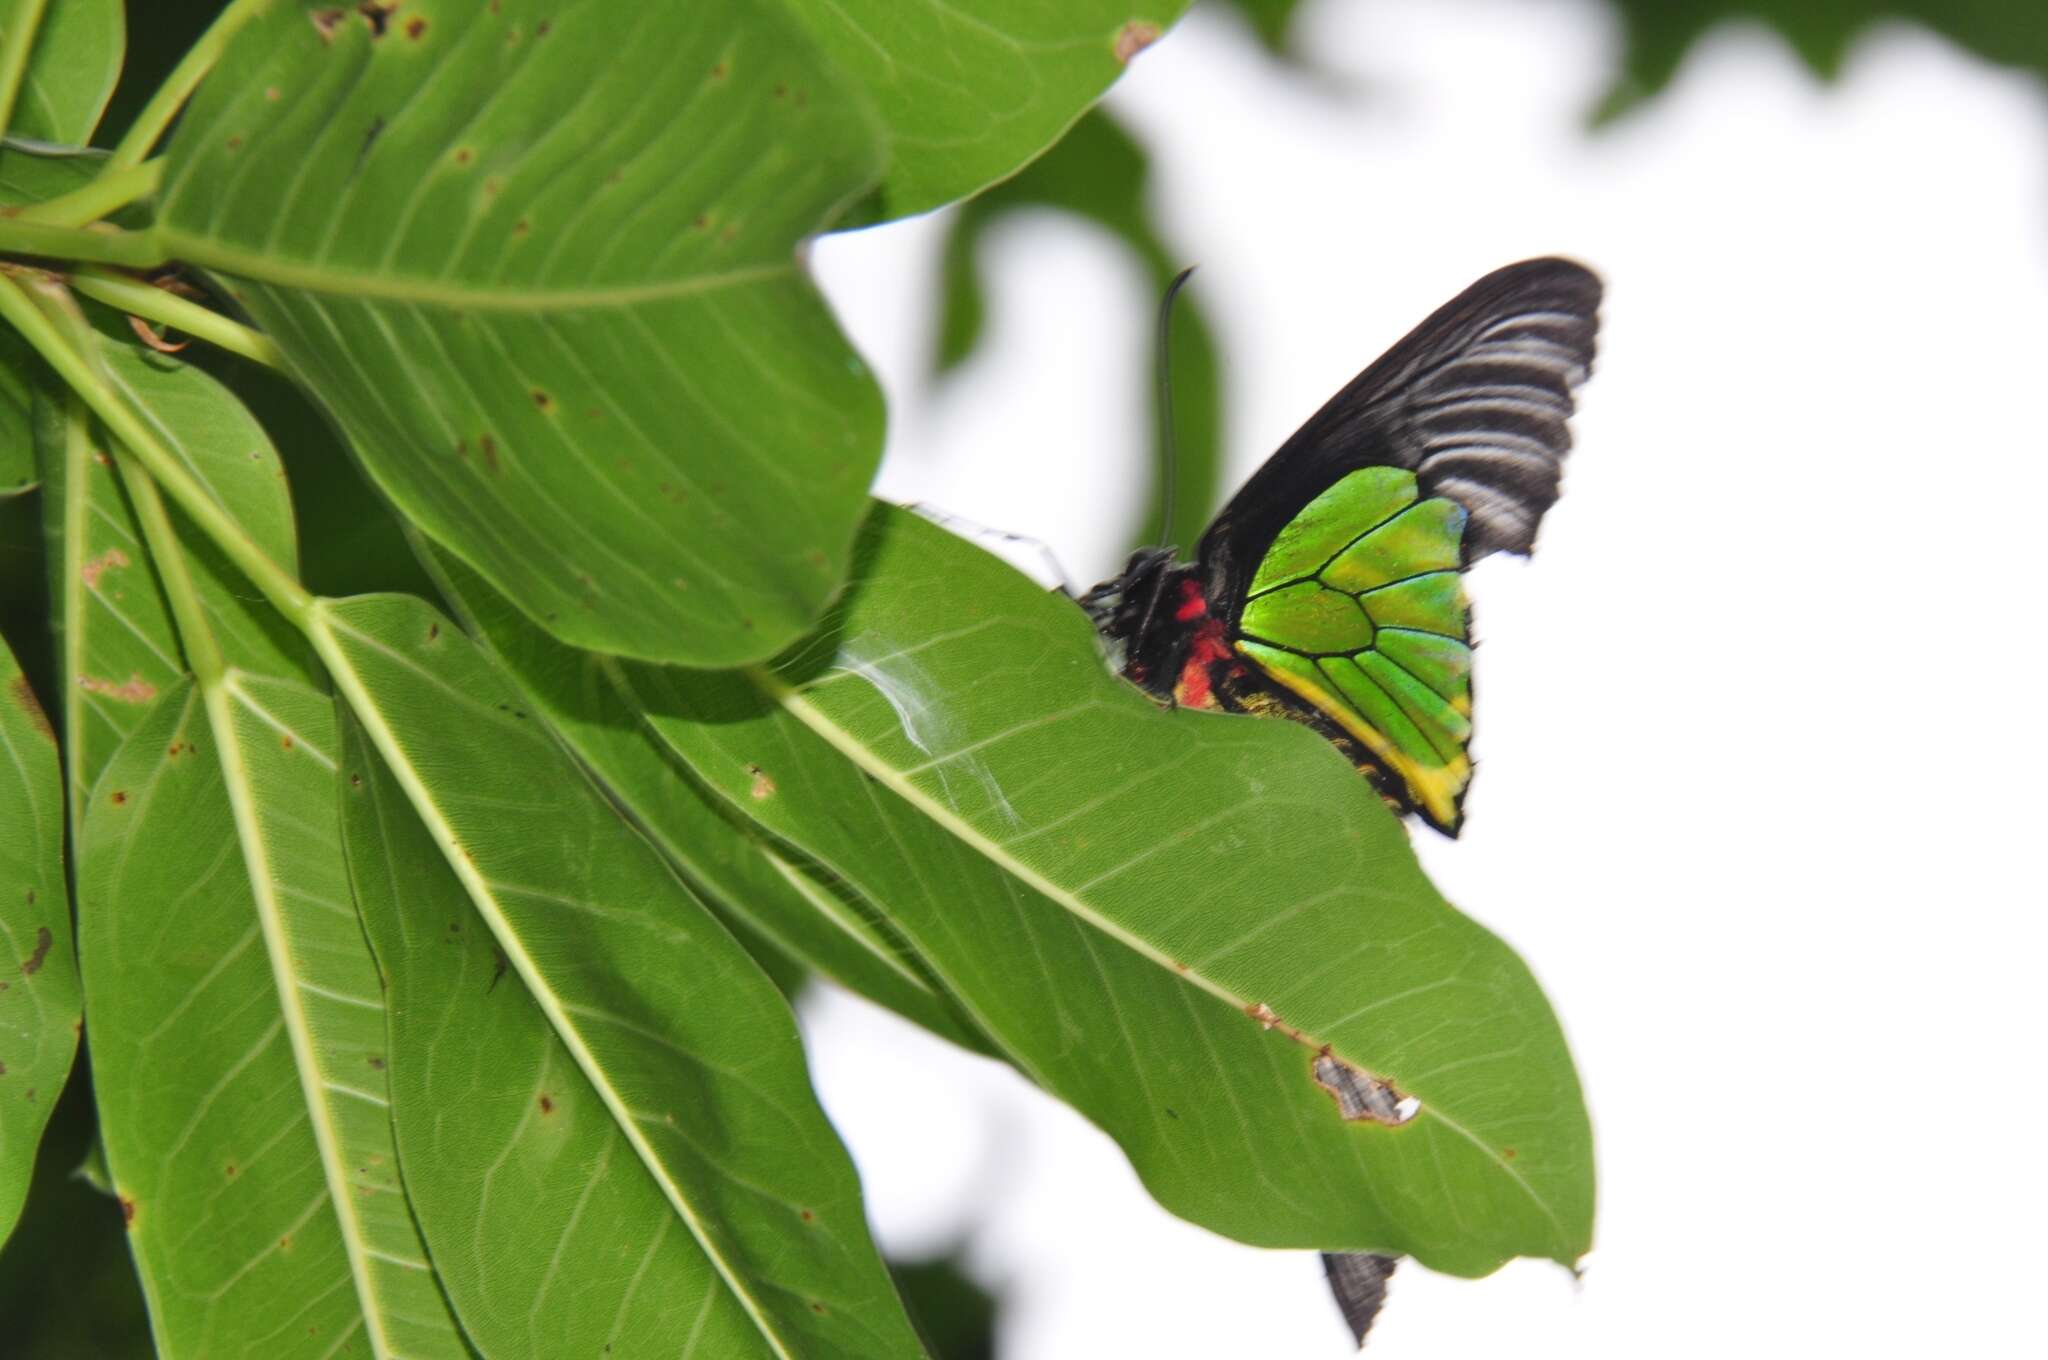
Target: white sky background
1760 729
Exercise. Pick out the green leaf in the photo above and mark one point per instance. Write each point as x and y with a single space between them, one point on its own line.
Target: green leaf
667 1082
971 94
237 1036
764 887
570 340
39 1006
1099 173
1658 34
267 1018
1231 883
71 69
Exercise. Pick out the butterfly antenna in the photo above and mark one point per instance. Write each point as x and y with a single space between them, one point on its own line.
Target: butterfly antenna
1169 454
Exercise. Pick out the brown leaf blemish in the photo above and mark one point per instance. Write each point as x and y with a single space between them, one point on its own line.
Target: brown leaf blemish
1133 38
761 786
120 797
327 22
232 1169
127 1211
273 94
489 447
25 699
34 962
376 1063
416 29
1361 1097
433 631
134 690
1262 1013
377 14
113 559
463 155
285 741
808 1216
543 400
547 1103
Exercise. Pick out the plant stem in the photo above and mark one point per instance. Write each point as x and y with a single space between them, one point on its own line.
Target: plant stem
105 193
151 303
105 245
170 96
15 45
278 585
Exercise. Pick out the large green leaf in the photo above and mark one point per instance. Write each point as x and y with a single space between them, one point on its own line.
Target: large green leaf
568 336
1161 917
670 1056
764 887
39 1006
71 71
972 93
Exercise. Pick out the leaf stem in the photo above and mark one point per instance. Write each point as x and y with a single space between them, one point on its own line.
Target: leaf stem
170 97
106 193
133 296
15 45
102 244
278 585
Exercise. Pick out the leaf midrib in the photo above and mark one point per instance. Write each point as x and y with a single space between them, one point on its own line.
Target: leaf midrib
210 253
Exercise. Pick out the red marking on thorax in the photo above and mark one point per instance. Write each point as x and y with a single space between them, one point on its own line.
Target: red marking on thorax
1208 647
1192 605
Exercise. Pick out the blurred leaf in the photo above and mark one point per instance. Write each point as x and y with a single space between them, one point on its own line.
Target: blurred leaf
956 1316
1204 901
71 70
570 341
571 1026
1271 21
1099 173
764 887
239 1069
38 968
1657 34
970 95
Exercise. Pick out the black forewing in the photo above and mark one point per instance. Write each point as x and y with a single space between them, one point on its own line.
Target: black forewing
1474 401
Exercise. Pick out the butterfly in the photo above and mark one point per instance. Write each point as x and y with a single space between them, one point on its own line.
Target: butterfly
1329 589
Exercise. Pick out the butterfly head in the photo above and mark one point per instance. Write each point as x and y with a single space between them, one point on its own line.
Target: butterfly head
1138 616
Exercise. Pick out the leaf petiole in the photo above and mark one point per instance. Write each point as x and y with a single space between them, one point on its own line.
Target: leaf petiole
15 45
133 296
163 106
106 193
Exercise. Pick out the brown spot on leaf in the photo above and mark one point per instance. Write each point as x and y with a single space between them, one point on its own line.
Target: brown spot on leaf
1133 38
433 631
543 28
463 155
232 1169
416 29
327 22
120 797
547 1103
34 962
520 228
127 1211
113 559
808 1216
489 448
543 400
355 781
285 741
377 14
1262 1013
24 698
3 1069
134 690
817 1308
376 1063
718 71
1509 1154
1361 1097
762 787
273 94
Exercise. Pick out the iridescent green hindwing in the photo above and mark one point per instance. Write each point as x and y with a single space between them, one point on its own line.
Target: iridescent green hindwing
1358 609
